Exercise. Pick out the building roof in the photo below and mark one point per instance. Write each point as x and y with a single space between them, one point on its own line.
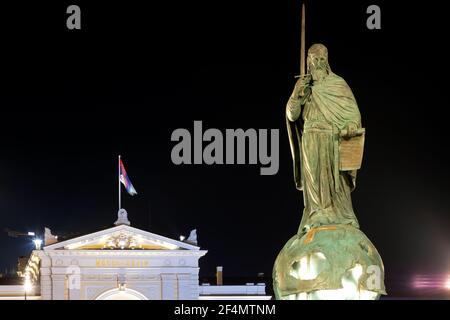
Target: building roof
122 237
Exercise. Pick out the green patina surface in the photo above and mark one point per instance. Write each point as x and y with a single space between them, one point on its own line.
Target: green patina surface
320 107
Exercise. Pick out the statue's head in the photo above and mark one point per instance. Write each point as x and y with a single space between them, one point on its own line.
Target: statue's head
317 61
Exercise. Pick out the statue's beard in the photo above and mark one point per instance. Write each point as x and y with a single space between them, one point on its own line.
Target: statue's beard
319 74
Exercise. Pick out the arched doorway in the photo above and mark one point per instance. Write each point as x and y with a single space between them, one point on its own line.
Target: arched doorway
126 294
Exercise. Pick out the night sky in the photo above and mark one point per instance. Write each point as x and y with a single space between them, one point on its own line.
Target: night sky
72 101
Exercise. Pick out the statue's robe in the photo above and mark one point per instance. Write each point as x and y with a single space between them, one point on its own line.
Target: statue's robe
328 107
328 225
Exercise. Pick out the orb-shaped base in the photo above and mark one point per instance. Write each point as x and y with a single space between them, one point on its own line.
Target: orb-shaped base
334 262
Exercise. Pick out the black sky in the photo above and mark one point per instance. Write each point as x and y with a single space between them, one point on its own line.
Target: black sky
72 101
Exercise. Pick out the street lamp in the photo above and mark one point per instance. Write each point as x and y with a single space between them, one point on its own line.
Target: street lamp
37 243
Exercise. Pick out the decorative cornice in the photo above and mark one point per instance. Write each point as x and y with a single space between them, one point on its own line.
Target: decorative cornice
118 230
136 253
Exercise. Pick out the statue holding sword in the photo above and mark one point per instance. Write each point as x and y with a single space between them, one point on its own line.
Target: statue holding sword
328 109
329 257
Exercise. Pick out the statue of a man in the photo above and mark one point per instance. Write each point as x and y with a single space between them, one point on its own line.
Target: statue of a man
329 257
328 107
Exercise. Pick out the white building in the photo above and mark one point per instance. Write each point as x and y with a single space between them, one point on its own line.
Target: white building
121 263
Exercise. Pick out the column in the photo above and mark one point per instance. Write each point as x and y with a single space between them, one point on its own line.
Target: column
59 283
46 284
169 286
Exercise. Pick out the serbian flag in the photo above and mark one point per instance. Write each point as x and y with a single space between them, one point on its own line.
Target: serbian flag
123 177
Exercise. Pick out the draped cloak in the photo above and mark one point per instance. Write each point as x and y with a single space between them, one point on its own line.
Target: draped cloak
329 225
328 107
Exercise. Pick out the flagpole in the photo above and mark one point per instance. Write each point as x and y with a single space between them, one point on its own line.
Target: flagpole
120 189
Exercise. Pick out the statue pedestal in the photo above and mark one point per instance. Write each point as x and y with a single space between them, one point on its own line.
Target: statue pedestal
336 262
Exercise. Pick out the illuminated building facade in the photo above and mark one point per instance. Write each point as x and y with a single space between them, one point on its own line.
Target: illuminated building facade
121 263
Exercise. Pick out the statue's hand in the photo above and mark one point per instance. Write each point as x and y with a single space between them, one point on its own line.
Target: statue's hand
300 86
351 130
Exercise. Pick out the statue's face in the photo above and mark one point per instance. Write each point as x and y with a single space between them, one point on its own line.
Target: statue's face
317 66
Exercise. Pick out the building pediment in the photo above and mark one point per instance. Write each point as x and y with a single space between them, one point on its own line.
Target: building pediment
122 237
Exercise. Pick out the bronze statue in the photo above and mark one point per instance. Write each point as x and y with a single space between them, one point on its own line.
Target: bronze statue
329 257
329 108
